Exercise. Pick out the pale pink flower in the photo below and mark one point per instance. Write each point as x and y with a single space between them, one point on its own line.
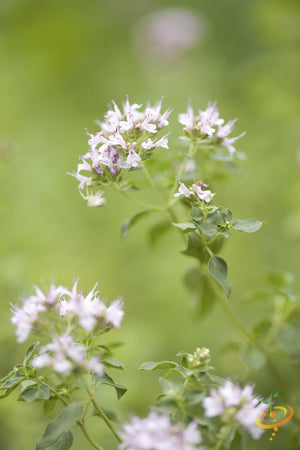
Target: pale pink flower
120 144
183 190
115 313
64 355
156 432
240 402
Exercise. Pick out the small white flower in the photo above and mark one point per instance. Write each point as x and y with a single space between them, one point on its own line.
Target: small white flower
156 432
94 365
227 142
183 190
240 402
187 119
64 355
115 313
94 200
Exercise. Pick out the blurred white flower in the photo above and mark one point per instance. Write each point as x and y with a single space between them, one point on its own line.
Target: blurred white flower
39 312
156 432
230 400
94 200
167 34
64 355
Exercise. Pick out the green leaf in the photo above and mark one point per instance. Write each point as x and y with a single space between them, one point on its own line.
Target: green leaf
113 363
277 394
185 227
56 430
261 328
151 365
217 267
235 441
64 442
28 395
106 379
216 379
169 387
128 224
157 231
209 229
114 344
253 357
247 225
197 215
30 353
32 394
203 293
288 339
6 377
129 186
217 244
280 279
193 397
49 405
195 247
14 381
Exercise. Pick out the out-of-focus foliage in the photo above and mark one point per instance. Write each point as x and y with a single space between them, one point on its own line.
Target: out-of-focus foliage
61 63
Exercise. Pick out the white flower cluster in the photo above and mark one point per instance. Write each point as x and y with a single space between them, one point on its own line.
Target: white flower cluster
230 401
208 125
126 138
197 190
64 356
39 312
156 432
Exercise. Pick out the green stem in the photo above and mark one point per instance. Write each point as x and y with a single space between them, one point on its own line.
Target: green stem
153 185
234 319
79 423
163 200
88 437
139 202
212 239
247 336
276 325
106 420
181 171
221 441
51 389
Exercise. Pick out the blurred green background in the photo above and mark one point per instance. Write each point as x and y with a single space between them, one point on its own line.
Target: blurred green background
61 63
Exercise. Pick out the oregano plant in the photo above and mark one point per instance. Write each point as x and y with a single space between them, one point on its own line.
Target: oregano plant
70 361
